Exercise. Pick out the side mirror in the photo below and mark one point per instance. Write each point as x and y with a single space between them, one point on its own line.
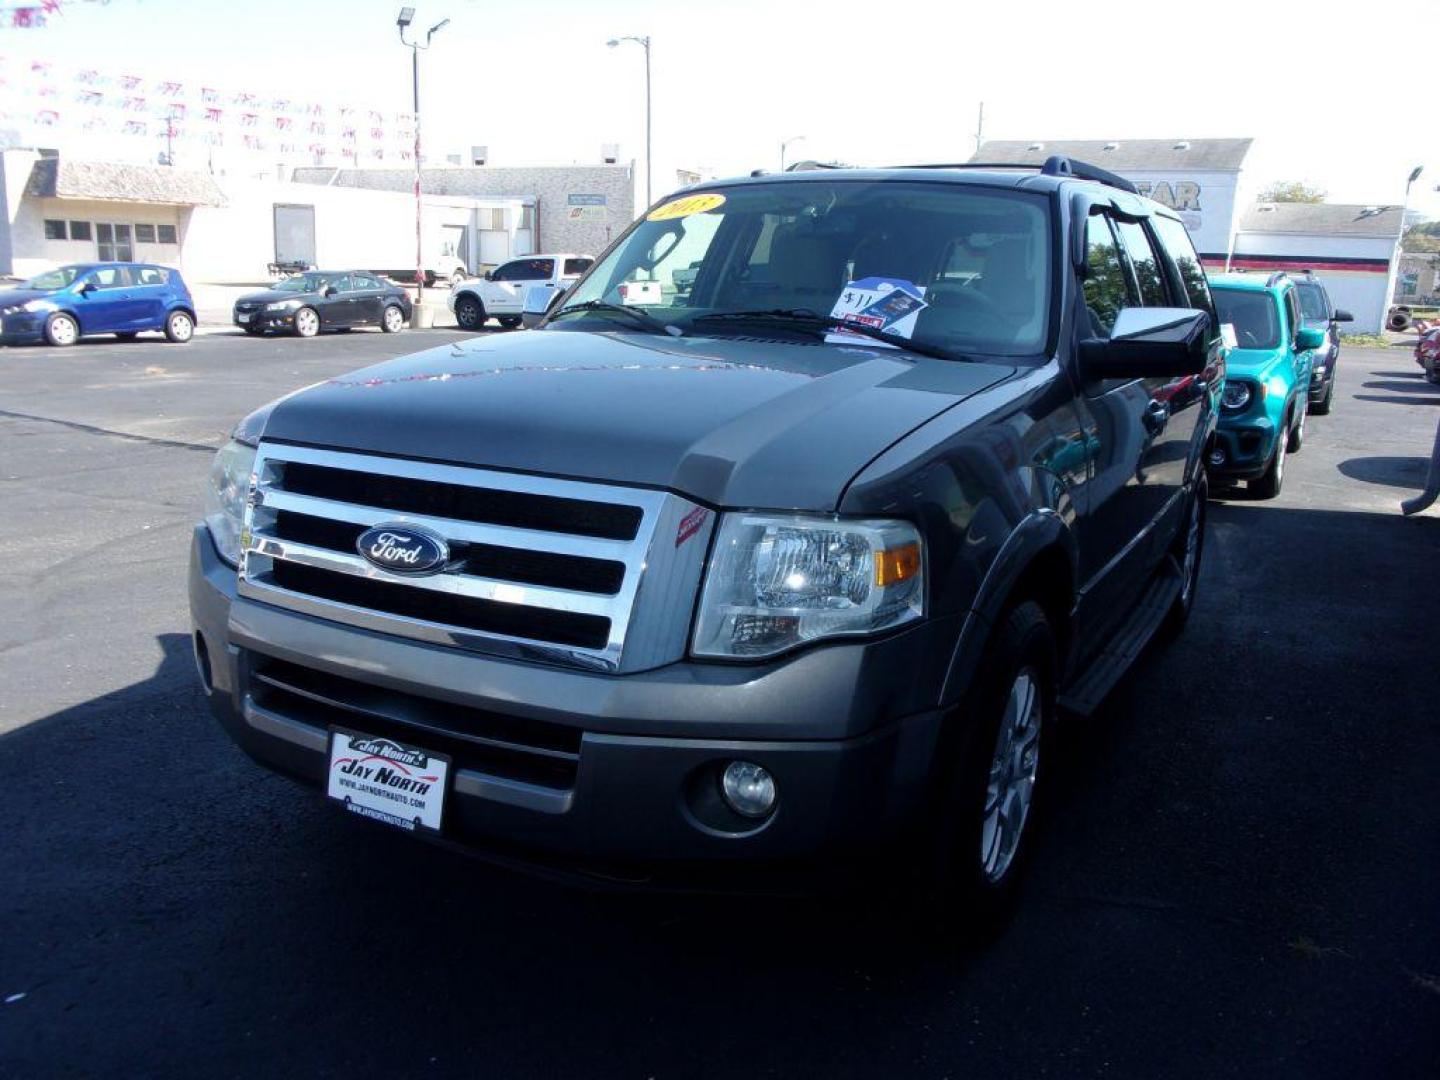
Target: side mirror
1309 338
539 301
489 275
1149 343
330 290
87 288
1341 315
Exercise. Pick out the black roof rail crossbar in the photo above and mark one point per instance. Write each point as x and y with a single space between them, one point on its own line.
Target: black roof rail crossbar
1055 165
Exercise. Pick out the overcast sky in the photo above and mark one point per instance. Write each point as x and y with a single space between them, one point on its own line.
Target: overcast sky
1333 91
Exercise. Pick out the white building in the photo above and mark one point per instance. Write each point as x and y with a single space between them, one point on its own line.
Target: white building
60 210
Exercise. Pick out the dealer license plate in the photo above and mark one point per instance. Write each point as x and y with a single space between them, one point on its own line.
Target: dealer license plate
388 781
242 317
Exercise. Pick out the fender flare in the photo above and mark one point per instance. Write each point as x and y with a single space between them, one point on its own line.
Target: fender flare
1039 532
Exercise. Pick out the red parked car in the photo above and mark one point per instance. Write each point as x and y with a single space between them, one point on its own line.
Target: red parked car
1427 353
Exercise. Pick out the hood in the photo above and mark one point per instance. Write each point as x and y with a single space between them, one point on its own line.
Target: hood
270 295
11 297
1250 363
732 422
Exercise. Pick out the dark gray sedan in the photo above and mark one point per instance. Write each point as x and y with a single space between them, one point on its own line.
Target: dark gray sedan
319 300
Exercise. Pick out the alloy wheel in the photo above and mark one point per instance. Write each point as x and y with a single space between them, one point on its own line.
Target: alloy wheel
1011 785
63 330
394 319
307 323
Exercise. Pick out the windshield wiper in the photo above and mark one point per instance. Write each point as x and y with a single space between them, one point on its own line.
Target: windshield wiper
813 320
641 317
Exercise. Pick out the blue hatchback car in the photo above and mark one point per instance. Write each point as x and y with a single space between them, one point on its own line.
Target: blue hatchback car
63 305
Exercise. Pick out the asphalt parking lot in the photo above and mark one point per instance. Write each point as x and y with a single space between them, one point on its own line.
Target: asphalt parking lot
1241 874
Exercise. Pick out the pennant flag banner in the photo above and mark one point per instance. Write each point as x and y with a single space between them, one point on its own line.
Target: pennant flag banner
47 103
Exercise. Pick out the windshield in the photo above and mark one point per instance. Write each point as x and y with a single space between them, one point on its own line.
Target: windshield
956 268
1312 303
1253 316
302 283
53 279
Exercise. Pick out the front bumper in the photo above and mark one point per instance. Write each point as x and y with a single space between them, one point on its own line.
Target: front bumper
1246 443
264 320
844 729
23 327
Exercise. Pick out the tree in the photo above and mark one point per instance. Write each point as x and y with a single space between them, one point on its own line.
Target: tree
1422 238
1291 191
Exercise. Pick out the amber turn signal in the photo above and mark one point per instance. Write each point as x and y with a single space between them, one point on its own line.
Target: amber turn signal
898 564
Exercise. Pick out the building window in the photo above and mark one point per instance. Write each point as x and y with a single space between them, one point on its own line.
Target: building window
165 233
492 219
144 234
113 242
54 230
527 217
79 230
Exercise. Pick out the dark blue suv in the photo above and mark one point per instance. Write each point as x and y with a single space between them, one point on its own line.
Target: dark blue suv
60 306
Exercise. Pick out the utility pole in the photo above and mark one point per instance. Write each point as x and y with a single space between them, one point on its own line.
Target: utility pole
403 21
980 128
643 40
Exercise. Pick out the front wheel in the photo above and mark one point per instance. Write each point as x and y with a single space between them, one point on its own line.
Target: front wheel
179 327
1268 486
61 330
307 322
469 313
393 321
987 823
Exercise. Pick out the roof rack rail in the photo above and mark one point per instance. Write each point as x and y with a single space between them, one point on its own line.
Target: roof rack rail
1055 165
1275 279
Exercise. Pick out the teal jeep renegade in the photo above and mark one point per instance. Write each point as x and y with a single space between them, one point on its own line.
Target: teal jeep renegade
1267 380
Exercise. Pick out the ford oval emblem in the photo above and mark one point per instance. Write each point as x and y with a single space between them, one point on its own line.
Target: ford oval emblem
404 549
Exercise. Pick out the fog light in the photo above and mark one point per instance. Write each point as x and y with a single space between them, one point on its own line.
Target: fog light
1217 456
748 789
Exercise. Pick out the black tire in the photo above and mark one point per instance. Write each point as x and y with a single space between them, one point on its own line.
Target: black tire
1296 438
392 319
973 888
306 322
1322 407
1268 485
126 335
509 322
179 327
469 312
62 330
1192 519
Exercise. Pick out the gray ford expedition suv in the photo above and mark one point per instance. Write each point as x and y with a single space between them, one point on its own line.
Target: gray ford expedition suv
799 561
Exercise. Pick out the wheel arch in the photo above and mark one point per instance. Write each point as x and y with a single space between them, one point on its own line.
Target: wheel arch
1039 561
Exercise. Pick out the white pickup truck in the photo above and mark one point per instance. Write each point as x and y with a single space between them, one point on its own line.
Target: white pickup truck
500 294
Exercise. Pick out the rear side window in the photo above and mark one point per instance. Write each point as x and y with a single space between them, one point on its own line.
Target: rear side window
1176 240
110 277
576 267
151 275
1107 286
526 270
1144 262
1253 315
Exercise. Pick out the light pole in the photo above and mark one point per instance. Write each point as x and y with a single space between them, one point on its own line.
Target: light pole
785 145
1399 242
403 21
644 41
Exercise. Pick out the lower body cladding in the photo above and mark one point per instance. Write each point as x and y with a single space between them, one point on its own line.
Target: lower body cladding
1242 449
613 777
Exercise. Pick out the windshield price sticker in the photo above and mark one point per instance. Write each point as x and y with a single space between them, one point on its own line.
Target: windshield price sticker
387 781
684 207
889 304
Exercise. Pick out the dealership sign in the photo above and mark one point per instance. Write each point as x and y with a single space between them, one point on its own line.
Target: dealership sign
1207 209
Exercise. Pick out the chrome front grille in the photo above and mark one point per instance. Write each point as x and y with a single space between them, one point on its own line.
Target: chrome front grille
563 571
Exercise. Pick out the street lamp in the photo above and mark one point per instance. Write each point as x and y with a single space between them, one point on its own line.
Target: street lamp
1400 236
784 145
644 41
403 21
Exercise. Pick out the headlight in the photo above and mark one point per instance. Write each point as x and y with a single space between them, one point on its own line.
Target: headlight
1236 395
775 582
225 496
282 305
36 305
